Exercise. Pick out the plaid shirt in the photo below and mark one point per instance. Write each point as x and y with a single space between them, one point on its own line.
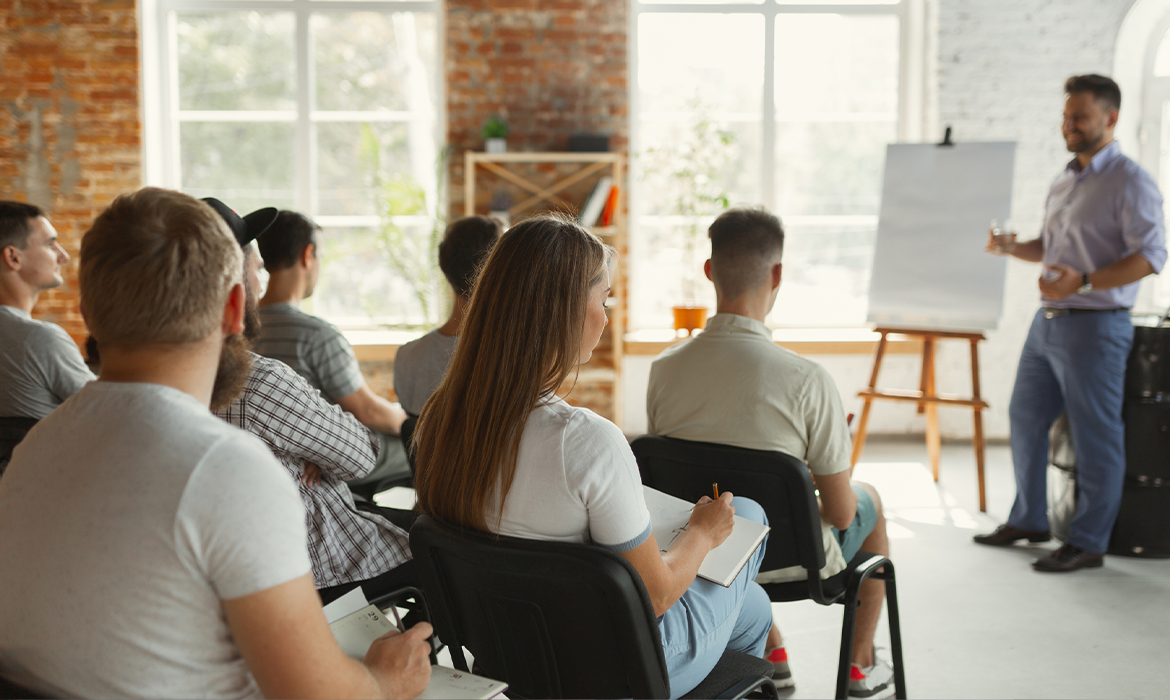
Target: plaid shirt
281 408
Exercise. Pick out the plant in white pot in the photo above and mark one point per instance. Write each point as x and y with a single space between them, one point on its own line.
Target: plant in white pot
495 135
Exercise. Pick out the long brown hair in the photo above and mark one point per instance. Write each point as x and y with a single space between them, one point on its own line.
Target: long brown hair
520 339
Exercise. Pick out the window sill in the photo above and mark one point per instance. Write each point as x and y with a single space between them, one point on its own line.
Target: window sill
382 346
803 341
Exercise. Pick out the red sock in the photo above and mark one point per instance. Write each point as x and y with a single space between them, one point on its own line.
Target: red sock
777 655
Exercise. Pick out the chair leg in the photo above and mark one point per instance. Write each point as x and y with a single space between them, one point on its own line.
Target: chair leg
895 632
848 627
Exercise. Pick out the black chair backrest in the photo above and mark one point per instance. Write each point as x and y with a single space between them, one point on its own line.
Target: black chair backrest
780 483
406 433
553 620
12 431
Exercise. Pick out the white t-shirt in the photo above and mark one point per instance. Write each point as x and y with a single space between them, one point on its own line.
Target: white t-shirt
576 481
39 365
126 516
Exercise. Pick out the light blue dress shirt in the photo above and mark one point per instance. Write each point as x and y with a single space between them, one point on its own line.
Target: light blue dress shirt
1098 215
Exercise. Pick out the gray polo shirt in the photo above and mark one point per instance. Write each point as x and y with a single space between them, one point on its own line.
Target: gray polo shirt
313 347
732 385
40 366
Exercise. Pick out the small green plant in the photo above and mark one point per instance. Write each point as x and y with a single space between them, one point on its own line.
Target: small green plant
692 168
494 128
413 254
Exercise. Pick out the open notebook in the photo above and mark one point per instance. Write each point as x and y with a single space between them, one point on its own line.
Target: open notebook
669 516
356 624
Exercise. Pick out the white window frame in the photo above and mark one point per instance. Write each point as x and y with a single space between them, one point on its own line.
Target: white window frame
913 111
159 86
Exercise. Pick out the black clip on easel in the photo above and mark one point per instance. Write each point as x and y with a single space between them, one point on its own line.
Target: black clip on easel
947 138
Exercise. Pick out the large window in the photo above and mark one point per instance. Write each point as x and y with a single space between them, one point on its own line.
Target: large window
782 105
1154 296
328 108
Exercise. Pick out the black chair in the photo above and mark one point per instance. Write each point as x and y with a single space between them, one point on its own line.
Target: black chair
367 491
555 620
12 431
783 486
12 691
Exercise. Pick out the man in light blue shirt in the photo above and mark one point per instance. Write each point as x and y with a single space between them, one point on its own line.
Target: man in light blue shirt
1103 232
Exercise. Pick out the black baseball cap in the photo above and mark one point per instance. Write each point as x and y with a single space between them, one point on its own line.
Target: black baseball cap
248 228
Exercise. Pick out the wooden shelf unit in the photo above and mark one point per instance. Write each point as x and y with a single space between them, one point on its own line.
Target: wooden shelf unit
545 194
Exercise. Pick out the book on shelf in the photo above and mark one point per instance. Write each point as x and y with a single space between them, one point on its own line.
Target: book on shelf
610 205
669 517
591 210
356 623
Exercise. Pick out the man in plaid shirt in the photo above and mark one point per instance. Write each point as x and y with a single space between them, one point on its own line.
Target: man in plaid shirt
322 447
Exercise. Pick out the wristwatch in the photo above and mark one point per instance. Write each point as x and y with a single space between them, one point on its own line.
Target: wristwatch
1086 285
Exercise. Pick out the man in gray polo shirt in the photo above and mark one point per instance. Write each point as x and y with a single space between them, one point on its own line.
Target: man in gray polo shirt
315 348
40 366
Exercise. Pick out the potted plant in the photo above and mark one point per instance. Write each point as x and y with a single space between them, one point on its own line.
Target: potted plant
495 135
692 169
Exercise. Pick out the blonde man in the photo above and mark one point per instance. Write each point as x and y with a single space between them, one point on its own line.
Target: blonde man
184 537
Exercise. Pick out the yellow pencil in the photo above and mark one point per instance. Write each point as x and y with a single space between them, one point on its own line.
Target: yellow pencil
716 487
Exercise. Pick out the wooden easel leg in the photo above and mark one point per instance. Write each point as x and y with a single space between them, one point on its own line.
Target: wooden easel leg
863 424
927 359
978 444
859 438
978 441
933 439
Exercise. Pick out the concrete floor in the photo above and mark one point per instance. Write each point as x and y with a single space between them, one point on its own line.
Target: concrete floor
978 622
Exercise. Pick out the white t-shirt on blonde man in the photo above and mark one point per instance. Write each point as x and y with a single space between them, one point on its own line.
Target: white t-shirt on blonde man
126 516
576 481
732 385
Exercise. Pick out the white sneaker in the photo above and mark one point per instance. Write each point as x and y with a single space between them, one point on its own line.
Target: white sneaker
877 681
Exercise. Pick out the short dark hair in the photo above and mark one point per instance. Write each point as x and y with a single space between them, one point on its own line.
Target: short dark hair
745 242
465 245
14 223
284 241
1103 88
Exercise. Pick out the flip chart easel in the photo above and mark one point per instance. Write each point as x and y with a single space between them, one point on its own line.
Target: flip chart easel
927 398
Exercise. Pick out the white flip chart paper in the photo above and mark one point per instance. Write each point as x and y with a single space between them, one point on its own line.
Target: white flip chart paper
929 268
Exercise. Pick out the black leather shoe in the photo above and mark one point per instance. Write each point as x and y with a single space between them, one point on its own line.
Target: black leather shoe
1069 557
1005 535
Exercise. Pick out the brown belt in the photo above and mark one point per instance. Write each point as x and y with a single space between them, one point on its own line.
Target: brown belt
1058 311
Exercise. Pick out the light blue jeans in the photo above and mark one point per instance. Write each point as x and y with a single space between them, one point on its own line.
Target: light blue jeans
1074 362
710 618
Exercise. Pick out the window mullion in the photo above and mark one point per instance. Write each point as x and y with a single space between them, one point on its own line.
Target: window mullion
305 133
768 113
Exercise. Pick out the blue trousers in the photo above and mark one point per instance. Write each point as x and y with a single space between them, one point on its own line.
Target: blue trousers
1075 362
709 618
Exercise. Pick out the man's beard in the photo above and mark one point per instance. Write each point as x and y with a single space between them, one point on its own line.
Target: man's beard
251 317
235 366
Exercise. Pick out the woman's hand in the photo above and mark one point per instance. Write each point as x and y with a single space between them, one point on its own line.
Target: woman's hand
713 518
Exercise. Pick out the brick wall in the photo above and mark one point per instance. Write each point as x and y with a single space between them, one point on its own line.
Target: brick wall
69 126
550 68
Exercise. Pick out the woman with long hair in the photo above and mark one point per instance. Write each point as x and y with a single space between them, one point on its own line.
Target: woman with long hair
498 451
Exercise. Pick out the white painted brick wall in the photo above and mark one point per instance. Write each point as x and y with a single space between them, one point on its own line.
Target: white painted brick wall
1002 66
